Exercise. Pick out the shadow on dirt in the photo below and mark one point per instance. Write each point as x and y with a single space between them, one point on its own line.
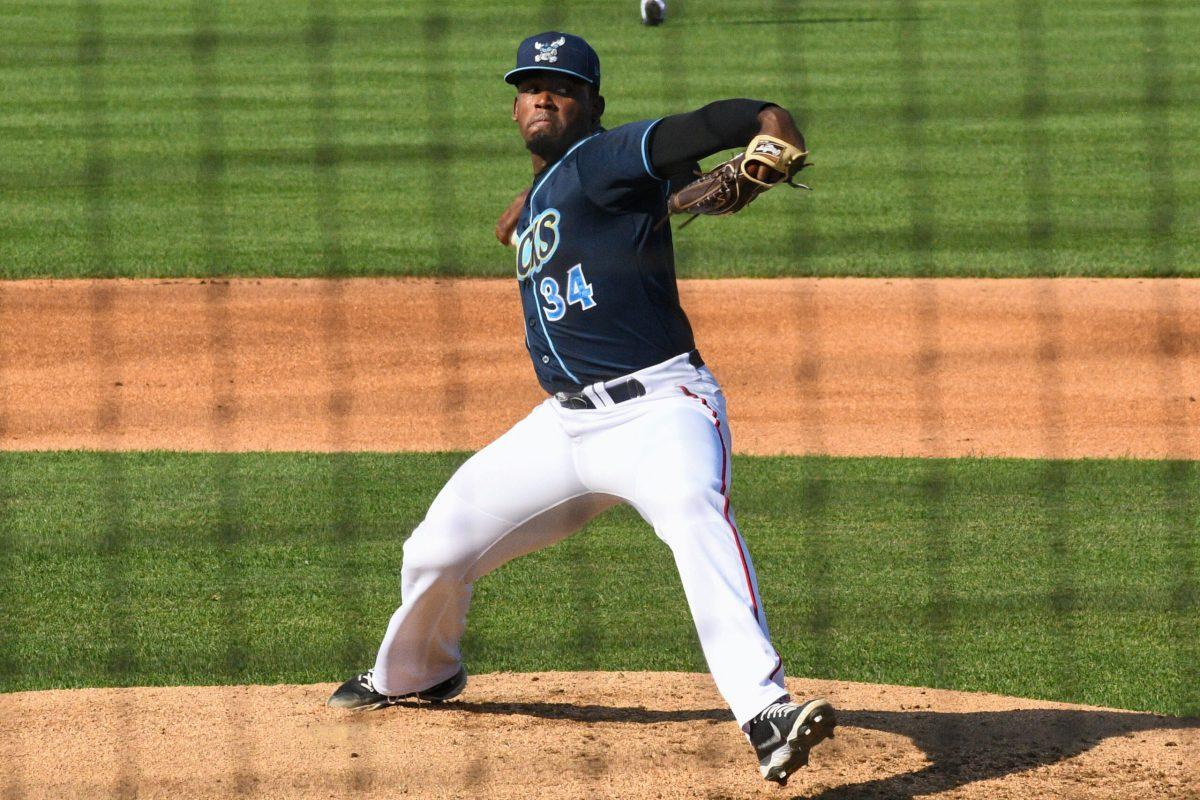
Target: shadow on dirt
578 713
962 747
981 745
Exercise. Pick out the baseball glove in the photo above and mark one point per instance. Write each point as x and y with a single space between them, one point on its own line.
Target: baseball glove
728 187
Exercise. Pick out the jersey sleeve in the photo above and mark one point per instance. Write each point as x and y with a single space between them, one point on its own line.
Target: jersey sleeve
614 167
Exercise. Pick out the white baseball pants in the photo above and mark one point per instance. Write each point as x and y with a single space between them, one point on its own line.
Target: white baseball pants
666 453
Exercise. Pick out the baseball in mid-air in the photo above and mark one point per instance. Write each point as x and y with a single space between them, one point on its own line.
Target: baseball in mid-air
654 12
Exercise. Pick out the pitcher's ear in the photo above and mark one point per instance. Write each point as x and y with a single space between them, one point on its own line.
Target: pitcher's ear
597 109
514 116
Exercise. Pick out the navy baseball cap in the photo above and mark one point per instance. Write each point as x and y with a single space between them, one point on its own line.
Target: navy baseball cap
556 52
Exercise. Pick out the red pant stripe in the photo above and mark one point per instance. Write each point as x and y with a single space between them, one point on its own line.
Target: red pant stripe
737 538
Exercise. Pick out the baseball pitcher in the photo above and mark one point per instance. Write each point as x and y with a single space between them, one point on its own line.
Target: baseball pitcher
632 413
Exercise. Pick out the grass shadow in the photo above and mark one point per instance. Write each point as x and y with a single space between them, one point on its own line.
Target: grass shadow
821 20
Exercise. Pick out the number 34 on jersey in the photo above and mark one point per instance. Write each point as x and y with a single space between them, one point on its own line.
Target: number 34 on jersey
578 291
535 247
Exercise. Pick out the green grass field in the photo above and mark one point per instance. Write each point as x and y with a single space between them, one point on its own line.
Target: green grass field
142 569
180 138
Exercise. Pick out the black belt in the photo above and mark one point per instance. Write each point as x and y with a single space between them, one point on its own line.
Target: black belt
619 391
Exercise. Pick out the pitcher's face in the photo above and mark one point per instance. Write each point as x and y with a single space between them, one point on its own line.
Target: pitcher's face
553 112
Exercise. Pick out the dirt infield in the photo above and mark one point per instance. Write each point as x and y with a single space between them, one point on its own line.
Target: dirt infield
1070 368
570 735
1064 368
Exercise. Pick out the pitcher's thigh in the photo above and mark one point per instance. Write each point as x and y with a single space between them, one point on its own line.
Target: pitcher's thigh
527 470
682 466
522 476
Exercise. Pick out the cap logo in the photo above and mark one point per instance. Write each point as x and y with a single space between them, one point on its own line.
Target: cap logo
549 52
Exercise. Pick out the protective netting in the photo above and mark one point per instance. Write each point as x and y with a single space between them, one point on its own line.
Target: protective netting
345 141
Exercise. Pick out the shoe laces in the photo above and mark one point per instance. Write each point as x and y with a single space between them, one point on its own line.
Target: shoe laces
367 680
775 710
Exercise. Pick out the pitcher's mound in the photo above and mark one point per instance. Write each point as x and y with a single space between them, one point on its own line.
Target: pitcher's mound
577 735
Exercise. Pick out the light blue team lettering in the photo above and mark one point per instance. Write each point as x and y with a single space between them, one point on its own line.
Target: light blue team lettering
535 248
538 243
578 291
556 308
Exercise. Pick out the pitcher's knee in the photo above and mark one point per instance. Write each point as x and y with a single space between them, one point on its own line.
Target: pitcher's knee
685 507
435 553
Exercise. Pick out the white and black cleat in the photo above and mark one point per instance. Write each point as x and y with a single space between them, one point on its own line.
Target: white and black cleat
359 694
783 733
654 12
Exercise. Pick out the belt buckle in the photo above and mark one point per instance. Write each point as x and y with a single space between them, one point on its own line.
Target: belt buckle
575 401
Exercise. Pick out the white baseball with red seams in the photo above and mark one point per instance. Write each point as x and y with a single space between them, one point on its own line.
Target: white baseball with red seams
666 453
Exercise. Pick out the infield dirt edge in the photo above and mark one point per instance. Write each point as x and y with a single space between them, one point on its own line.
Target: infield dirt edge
1033 368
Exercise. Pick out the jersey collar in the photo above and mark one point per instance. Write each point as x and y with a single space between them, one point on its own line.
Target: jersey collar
550 171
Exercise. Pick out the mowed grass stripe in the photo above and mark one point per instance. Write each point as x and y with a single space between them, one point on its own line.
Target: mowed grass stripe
1072 596
155 110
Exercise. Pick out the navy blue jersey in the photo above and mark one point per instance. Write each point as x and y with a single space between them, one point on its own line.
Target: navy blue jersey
595 269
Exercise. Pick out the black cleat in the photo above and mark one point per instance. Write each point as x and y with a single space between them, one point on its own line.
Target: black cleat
358 693
783 733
